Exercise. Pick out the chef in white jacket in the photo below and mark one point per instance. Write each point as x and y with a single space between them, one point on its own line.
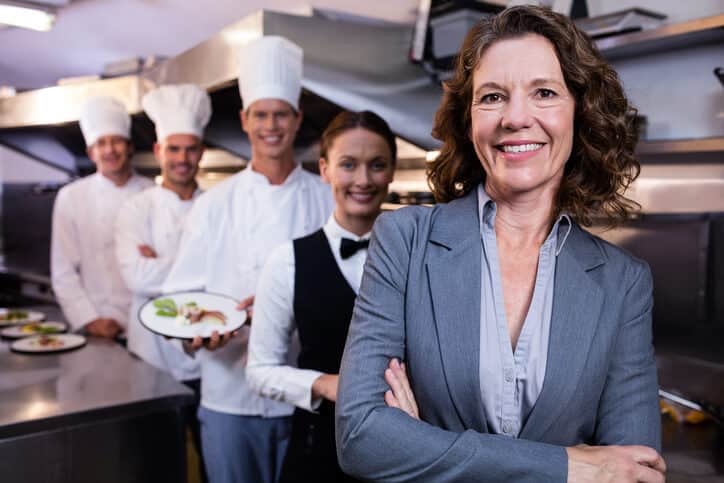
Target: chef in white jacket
149 225
227 237
84 272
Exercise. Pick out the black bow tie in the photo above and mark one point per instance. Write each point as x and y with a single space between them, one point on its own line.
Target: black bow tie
350 247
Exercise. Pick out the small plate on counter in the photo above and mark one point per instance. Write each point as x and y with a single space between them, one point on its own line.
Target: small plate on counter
33 328
43 344
19 316
185 315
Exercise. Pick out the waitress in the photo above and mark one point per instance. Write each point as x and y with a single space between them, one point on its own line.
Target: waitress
310 284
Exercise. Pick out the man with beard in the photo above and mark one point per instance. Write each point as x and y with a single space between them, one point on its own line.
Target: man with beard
227 237
149 224
84 271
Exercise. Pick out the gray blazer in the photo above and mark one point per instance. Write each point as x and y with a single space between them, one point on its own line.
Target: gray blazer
420 301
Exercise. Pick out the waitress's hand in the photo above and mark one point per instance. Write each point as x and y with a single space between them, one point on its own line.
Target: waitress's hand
248 305
216 341
400 394
615 464
325 386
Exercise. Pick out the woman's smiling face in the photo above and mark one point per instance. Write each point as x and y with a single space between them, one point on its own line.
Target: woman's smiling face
359 166
521 117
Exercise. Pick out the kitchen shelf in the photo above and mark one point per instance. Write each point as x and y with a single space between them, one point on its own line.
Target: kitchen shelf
667 37
681 146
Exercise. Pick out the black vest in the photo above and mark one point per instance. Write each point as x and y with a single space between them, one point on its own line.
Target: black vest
323 303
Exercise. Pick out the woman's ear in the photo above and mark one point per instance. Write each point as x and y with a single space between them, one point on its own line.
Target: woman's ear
323 169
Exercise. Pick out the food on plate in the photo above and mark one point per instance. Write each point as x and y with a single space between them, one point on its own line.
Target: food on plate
14 315
48 342
39 328
188 313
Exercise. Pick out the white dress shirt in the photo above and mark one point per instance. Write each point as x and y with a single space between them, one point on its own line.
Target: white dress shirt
155 218
228 235
267 370
85 275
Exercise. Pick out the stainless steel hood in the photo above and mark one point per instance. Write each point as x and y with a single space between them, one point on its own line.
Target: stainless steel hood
346 65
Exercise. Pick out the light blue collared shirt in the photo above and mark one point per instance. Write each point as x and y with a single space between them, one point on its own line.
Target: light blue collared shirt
510 381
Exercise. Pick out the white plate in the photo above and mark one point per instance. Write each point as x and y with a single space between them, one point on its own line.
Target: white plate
32 316
31 345
170 327
19 331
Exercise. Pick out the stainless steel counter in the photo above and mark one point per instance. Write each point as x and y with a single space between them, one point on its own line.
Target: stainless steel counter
92 414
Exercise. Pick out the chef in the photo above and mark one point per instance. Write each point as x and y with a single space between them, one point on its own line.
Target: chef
148 227
227 237
85 275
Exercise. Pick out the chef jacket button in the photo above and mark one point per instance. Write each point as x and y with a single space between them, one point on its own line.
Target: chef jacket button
507 427
509 375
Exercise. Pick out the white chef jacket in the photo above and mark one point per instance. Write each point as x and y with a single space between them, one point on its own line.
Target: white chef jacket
227 237
155 218
267 371
84 272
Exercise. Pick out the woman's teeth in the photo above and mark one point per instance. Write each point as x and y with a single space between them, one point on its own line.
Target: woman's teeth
520 148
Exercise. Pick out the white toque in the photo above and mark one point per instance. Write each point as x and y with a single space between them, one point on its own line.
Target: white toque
178 109
270 68
104 116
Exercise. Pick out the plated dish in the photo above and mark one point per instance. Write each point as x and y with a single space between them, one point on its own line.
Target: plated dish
43 344
185 315
19 316
33 328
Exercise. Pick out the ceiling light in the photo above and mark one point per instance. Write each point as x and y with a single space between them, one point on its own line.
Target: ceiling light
33 18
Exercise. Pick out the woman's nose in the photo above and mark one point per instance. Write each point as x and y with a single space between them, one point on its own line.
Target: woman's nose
517 114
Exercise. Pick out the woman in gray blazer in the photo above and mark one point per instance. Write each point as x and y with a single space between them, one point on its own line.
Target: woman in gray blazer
524 337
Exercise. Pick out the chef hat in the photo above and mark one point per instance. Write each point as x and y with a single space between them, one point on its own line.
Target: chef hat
178 109
270 68
104 116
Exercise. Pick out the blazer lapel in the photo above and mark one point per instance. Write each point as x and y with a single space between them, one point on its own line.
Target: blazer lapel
453 272
577 304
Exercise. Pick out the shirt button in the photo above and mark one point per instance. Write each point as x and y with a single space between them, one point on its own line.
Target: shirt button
507 427
509 375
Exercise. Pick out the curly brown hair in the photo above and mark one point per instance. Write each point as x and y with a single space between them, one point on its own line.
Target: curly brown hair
602 164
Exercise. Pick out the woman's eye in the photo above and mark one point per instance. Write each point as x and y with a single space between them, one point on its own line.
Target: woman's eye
491 98
546 93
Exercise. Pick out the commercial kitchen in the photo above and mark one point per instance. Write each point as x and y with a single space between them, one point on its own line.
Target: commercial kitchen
99 413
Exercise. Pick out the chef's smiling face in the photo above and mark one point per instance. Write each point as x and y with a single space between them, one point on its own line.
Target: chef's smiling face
359 167
179 156
272 126
111 155
521 116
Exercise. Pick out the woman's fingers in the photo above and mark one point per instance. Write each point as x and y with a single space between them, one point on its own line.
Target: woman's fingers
402 376
649 457
634 464
396 378
391 400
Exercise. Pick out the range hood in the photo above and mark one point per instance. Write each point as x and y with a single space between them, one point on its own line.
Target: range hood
369 69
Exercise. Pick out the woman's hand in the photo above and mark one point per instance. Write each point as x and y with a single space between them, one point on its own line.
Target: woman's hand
624 464
216 341
400 393
325 386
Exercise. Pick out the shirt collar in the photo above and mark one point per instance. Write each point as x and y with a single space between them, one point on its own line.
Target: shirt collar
333 230
487 210
172 195
259 179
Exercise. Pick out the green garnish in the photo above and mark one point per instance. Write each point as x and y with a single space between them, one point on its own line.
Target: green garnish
46 330
167 307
